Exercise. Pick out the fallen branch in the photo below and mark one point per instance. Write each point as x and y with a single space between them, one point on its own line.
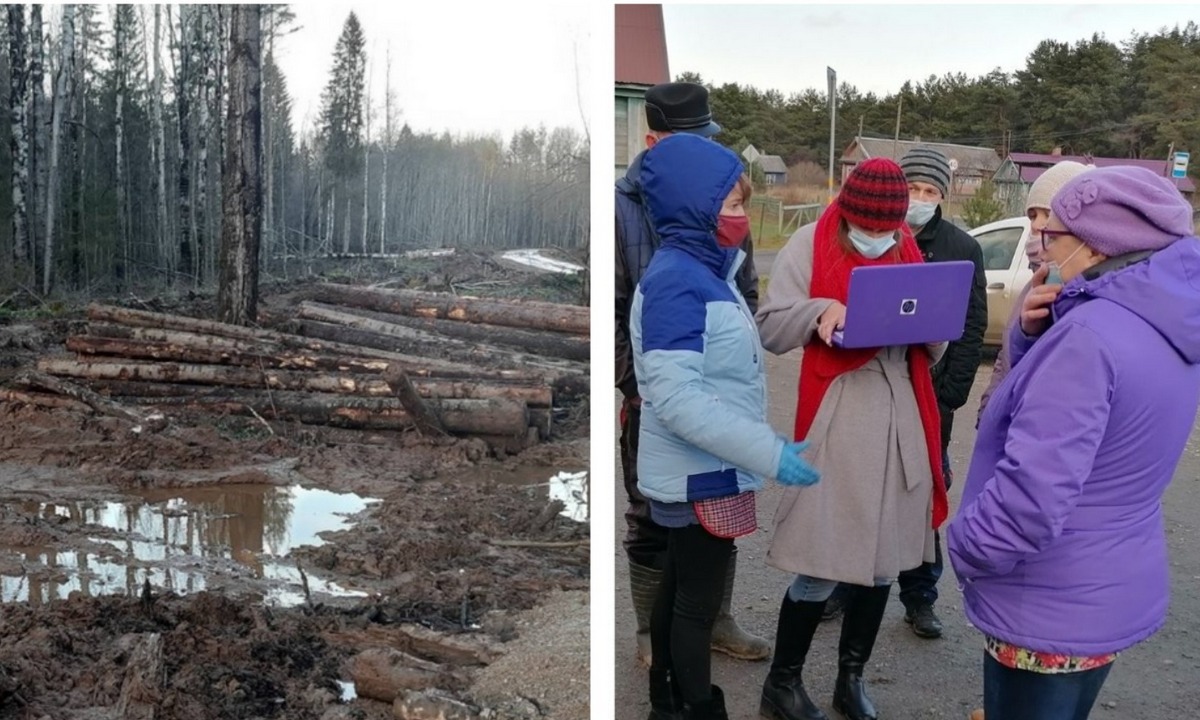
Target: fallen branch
553 545
39 381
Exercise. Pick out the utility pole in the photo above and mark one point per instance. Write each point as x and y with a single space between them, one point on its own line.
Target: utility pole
832 123
896 137
1170 160
860 124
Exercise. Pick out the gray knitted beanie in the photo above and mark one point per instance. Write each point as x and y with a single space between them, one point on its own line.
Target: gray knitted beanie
925 164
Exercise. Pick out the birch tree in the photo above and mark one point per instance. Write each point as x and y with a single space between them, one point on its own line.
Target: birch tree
186 221
158 145
241 218
37 143
18 101
387 148
122 17
62 89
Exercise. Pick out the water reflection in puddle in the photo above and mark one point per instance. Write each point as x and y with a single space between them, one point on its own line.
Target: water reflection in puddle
187 541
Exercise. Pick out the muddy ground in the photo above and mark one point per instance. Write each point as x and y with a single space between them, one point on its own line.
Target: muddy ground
227 568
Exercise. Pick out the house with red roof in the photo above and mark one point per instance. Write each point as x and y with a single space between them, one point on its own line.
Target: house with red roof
641 60
1019 170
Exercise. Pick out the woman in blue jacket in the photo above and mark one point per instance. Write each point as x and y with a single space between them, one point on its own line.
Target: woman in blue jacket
705 444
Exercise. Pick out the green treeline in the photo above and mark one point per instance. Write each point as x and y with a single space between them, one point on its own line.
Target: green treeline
1129 99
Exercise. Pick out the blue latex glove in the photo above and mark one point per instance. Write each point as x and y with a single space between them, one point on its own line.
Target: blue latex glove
795 470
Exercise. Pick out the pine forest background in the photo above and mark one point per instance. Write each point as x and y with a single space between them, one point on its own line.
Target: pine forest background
1132 99
110 158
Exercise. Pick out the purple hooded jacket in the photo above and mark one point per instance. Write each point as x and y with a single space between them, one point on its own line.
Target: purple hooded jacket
1059 543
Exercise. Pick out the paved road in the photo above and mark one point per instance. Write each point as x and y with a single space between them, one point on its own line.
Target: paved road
764 261
923 679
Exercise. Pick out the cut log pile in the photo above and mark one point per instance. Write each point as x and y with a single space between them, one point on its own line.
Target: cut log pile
355 357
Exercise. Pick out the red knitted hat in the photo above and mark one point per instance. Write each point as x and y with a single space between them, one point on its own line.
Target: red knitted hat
875 195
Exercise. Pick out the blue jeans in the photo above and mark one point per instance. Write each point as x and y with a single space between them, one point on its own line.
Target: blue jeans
1010 694
919 585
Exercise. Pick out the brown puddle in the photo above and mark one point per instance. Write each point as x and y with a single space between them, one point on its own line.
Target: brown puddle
184 540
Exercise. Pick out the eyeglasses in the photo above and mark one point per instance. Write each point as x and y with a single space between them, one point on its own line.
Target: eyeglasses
1049 236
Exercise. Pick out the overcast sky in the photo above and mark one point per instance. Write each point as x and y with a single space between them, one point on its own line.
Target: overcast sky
876 48
467 68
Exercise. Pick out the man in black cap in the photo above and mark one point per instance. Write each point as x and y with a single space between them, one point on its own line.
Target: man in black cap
670 108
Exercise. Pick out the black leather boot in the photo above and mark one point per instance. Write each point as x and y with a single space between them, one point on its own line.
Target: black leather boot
711 709
783 693
665 701
860 626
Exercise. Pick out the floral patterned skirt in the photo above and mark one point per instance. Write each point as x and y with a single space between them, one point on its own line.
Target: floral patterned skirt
1019 658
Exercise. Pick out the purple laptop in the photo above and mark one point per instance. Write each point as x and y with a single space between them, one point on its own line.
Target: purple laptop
906 304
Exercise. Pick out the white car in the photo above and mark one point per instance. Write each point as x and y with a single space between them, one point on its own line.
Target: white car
1007 269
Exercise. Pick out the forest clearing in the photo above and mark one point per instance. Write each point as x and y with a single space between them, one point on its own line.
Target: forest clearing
293 409
197 534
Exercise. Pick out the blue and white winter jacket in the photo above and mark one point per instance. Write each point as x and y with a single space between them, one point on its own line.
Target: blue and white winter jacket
697 353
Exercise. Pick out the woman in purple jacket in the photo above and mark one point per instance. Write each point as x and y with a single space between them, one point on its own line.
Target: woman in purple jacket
1059 543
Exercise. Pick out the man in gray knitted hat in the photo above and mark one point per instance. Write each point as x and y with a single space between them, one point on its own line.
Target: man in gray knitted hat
928 173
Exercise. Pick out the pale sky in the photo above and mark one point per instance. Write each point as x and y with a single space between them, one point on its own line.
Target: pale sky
877 47
470 68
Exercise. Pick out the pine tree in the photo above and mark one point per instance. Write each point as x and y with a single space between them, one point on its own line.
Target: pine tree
341 119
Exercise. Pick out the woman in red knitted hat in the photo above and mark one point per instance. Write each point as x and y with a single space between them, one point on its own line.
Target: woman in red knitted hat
872 422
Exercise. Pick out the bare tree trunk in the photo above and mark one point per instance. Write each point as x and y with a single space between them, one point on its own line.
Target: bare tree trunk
159 148
37 145
184 147
203 47
269 148
18 100
387 149
62 88
79 142
241 227
366 159
119 62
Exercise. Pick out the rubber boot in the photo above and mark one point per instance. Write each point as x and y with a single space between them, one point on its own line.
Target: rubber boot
727 636
665 700
711 709
643 586
860 627
783 693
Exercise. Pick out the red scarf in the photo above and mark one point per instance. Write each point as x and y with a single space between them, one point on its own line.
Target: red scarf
822 364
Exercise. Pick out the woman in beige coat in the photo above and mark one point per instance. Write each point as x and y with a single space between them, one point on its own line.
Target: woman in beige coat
872 422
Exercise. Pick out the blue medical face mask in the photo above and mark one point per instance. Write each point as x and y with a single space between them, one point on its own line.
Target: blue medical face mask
1054 276
920 212
871 247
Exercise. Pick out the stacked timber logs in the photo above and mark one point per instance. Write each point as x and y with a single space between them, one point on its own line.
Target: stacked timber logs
363 358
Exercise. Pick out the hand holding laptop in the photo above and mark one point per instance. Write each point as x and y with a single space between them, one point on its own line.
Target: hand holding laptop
833 319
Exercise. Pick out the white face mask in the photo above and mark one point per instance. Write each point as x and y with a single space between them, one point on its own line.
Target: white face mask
1055 274
871 247
920 212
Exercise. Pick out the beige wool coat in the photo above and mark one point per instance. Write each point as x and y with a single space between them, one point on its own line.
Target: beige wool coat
869 516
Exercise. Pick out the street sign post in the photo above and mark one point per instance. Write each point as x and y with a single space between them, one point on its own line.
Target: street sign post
1179 165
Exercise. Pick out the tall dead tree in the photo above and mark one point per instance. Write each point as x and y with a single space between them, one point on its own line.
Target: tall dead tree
62 90
158 147
387 148
37 143
19 143
241 217
184 145
121 17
